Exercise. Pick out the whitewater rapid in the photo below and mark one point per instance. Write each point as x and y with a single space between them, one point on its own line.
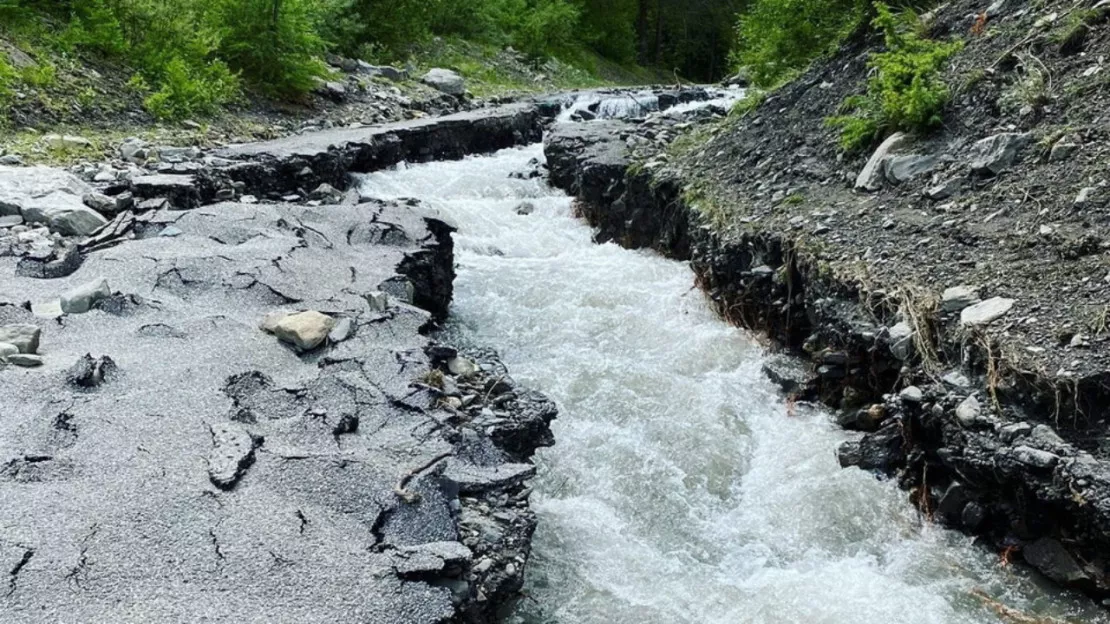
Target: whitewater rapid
682 489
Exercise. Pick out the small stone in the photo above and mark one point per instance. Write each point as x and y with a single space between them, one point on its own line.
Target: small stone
901 341
995 154
304 330
377 300
462 367
1062 150
81 299
525 208
1084 196
1035 457
956 379
26 360
23 337
232 453
248 199
944 190
48 310
101 203
959 297
912 394
344 329
968 412
986 312
326 194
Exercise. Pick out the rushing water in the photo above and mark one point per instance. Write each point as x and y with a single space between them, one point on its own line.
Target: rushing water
682 489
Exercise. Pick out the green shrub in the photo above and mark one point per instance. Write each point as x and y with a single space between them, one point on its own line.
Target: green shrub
275 44
776 37
188 90
906 90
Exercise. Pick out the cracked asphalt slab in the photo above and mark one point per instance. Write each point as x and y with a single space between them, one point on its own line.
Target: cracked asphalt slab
215 474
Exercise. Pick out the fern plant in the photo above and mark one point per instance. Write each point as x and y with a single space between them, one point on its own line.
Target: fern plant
906 90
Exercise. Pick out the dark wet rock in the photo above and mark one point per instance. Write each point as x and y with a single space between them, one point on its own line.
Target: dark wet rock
232 453
90 372
789 374
1054 561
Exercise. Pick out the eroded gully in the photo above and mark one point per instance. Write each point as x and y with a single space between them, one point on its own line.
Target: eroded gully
683 488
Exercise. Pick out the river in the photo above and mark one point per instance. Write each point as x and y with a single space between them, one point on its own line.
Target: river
683 488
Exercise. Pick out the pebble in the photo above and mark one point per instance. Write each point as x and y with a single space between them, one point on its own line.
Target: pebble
7 349
957 298
462 367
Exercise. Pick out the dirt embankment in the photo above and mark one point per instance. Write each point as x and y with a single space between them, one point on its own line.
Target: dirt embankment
951 296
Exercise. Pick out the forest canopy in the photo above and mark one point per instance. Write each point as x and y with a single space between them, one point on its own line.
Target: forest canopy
193 55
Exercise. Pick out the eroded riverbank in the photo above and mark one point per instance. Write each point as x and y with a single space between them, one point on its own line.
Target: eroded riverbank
682 487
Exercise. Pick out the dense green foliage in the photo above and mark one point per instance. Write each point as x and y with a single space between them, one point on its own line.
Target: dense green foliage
777 37
905 91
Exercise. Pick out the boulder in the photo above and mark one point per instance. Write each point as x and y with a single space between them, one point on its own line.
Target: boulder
304 330
1054 561
899 169
993 155
47 195
385 71
81 299
22 337
871 177
445 80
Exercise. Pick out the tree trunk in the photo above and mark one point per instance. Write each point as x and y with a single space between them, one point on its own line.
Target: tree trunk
642 37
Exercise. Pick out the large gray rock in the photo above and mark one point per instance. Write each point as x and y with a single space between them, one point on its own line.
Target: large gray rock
81 299
1054 561
47 195
901 341
385 71
23 337
445 80
995 154
871 177
899 169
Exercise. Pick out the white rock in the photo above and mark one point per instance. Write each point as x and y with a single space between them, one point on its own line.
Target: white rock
912 394
901 341
986 312
81 299
378 301
968 411
24 337
304 330
871 177
6 349
462 367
